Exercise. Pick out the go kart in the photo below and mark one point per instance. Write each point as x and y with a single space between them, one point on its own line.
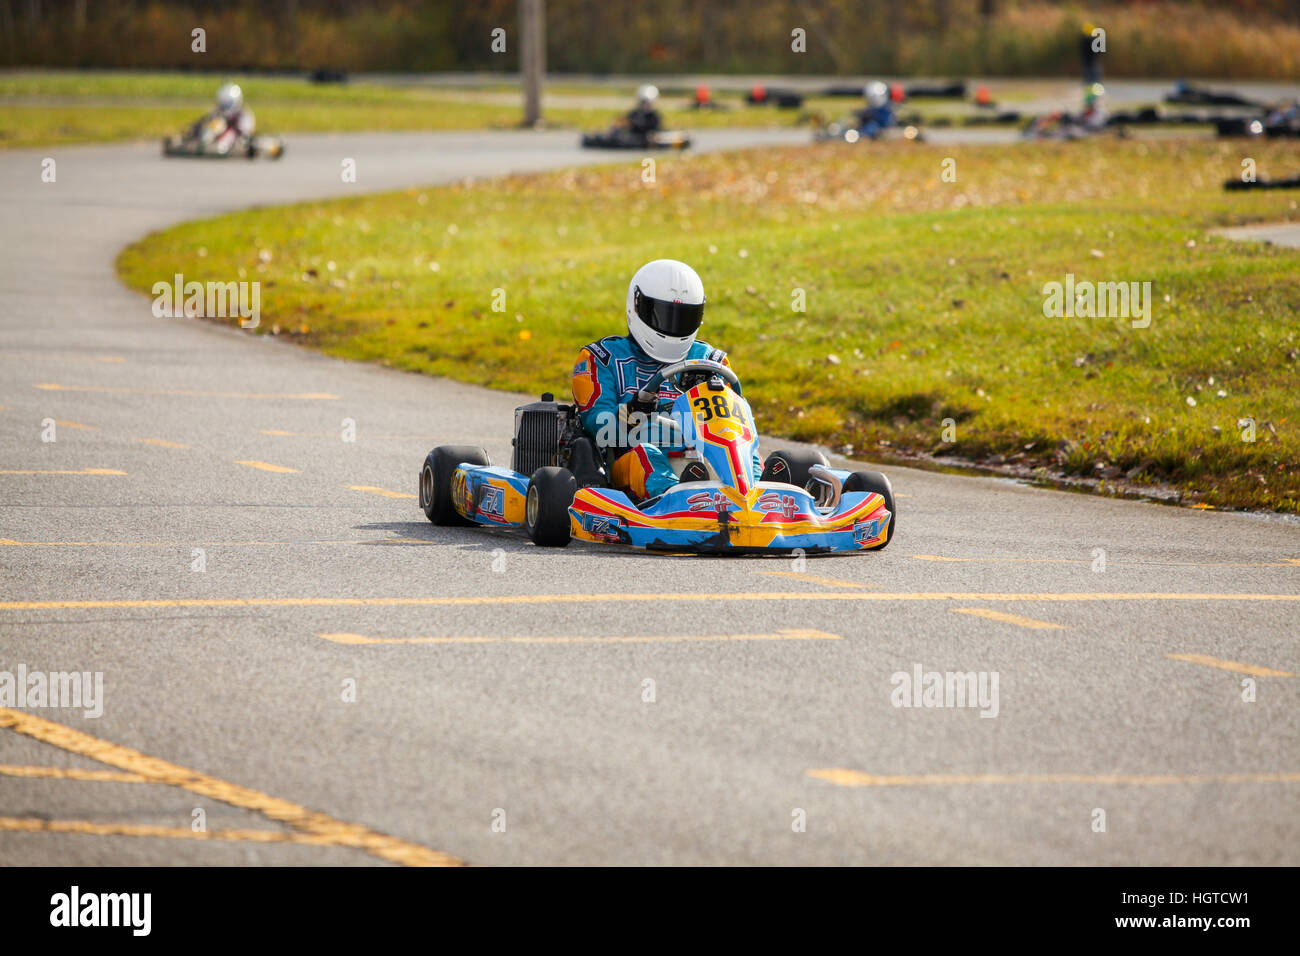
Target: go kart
557 487
848 132
620 137
200 141
1063 127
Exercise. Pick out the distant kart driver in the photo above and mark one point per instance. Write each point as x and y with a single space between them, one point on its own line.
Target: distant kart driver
665 306
645 118
878 113
1094 108
230 123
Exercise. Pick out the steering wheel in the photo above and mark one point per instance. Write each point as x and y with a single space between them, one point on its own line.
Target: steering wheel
671 373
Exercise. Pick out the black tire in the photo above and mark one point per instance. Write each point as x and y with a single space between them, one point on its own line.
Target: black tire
791 466
435 481
875 481
546 510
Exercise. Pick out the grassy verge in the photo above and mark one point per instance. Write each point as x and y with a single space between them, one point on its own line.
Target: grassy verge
924 299
52 108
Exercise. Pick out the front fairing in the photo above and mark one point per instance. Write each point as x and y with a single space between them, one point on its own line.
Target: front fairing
719 425
712 517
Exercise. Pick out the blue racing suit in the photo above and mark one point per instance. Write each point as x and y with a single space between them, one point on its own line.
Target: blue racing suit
607 375
874 120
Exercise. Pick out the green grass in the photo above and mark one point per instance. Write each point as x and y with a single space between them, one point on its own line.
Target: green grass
924 298
39 108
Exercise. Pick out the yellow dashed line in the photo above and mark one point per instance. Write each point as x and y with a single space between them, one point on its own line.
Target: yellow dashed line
383 492
616 598
814 579
1008 618
856 778
329 831
76 426
785 635
310 396
264 466
11 543
89 828
84 471
1229 665
162 444
71 773
57 357
1283 563
280 433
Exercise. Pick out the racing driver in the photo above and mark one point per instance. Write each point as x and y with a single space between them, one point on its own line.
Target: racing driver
665 306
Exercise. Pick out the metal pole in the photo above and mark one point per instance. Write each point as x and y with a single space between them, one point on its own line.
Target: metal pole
532 56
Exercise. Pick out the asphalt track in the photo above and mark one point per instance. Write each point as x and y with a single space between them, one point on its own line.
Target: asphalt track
526 703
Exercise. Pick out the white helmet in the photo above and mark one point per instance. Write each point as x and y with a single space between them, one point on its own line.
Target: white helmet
876 93
647 95
665 306
230 98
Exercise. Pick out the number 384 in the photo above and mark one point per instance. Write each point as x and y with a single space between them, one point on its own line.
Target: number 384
715 407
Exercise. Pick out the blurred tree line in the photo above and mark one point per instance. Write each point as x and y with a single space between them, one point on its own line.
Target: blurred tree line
925 37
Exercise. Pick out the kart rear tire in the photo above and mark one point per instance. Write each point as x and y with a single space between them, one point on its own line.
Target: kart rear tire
877 482
435 481
546 509
791 466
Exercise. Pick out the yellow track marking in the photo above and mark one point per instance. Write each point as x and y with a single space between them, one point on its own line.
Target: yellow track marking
58 357
264 466
617 598
310 396
76 426
280 433
1008 618
1229 665
856 778
796 634
1283 563
83 471
162 444
384 492
71 773
89 828
814 579
11 543
331 832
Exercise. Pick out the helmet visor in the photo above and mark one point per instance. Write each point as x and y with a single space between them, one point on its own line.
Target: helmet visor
674 319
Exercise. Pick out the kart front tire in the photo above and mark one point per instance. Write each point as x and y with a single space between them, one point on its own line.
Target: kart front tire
435 481
874 481
546 509
791 466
